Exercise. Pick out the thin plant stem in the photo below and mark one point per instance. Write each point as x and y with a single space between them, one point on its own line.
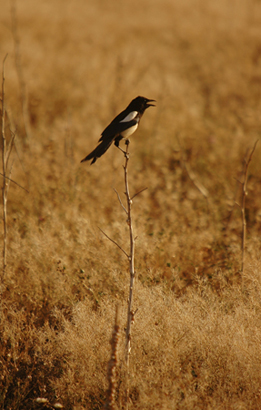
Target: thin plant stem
130 313
113 364
243 205
115 243
4 187
16 183
120 201
131 256
20 73
191 174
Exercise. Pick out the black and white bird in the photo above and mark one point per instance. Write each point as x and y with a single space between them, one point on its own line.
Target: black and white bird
123 126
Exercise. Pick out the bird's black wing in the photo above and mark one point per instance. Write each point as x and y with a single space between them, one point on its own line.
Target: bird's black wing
107 137
116 128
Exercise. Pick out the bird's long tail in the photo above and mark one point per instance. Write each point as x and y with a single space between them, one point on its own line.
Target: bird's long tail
98 151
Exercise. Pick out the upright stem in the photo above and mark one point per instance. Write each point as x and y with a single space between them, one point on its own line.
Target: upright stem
112 367
243 207
4 167
130 313
19 69
131 257
243 214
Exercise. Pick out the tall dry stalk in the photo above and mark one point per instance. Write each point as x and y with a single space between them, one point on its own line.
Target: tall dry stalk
190 173
6 169
4 187
113 363
130 255
243 204
19 70
130 314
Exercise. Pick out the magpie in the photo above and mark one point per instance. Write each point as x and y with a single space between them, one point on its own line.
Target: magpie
121 127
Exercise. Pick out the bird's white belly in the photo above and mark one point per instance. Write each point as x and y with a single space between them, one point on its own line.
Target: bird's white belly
129 131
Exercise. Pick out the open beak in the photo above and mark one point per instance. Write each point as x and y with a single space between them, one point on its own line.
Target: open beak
150 105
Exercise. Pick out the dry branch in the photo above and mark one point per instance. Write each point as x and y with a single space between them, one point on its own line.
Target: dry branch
130 314
6 169
243 204
139 192
19 70
191 174
4 186
113 363
120 201
115 243
130 256
16 183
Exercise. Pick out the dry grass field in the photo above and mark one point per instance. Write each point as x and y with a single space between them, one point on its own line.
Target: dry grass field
71 67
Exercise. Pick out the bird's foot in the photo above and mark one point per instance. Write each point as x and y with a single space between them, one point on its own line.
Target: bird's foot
122 150
127 142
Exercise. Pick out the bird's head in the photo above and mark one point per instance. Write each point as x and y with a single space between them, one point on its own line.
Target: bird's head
141 104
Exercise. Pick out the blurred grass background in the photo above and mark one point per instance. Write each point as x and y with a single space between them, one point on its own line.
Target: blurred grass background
197 330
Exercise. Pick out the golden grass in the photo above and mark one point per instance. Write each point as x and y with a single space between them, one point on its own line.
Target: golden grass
196 337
